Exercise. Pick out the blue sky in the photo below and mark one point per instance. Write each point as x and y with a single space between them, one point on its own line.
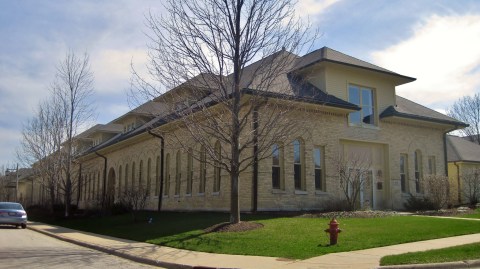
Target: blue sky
435 41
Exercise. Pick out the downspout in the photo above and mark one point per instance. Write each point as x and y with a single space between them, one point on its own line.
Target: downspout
104 178
459 192
162 153
80 184
255 161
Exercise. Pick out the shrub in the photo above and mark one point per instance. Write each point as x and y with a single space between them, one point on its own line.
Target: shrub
415 203
436 190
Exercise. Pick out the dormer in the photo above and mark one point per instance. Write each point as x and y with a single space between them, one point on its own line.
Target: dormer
370 87
95 136
139 116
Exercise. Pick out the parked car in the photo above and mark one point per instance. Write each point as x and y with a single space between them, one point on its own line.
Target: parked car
13 214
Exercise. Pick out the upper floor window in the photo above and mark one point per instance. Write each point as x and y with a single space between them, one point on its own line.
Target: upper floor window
404 172
362 97
418 170
203 169
318 157
298 173
216 168
277 167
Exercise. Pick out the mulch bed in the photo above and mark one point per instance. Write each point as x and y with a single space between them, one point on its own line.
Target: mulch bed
233 227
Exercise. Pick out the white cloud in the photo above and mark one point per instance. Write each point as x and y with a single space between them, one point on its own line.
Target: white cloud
314 7
111 68
443 54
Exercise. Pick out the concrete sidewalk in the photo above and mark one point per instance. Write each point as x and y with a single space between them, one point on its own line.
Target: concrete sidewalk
178 258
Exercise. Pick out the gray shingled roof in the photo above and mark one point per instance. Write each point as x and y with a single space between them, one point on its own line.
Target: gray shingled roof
101 128
460 149
409 109
326 54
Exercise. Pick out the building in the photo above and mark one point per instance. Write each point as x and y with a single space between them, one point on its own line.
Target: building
463 168
350 108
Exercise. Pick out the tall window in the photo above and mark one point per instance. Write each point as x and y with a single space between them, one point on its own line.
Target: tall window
99 186
126 176
140 176
94 183
189 171
120 181
157 176
418 170
431 165
167 174
217 171
298 165
404 172
203 170
277 167
178 173
318 156
133 175
362 97
149 175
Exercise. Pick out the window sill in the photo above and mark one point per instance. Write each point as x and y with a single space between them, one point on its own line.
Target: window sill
188 195
176 196
300 192
278 191
365 126
201 194
320 193
216 193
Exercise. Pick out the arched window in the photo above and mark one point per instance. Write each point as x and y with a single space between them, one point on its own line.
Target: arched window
203 170
149 176
157 176
178 172
418 170
189 171
298 160
277 167
99 186
167 174
92 195
217 171
141 184
120 181
126 176
133 176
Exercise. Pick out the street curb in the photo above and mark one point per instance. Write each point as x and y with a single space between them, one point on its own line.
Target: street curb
107 250
445 265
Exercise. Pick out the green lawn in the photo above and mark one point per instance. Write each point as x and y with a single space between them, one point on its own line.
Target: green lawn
475 215
288 237
460 253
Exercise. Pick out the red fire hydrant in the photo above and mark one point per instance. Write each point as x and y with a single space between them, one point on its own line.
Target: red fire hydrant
333 230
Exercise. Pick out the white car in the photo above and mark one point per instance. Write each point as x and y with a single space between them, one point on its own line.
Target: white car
13 214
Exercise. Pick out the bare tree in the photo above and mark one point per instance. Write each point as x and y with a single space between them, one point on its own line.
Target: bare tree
467 109
227 64
471 186
73 85
135 199
41 145
354 174
48 138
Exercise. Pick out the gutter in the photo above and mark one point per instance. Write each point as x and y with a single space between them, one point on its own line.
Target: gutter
162 154
104 178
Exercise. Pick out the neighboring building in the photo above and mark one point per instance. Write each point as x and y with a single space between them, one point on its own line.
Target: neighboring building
351 107
463 161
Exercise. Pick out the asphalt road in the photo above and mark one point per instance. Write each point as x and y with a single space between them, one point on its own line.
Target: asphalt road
24 248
